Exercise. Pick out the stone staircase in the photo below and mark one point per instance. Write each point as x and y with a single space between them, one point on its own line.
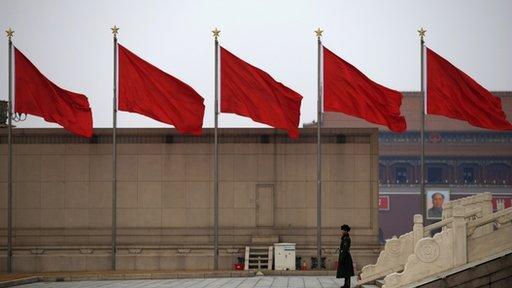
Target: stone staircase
377 284
258 258
470 232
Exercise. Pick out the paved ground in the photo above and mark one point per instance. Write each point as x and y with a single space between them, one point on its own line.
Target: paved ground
246 282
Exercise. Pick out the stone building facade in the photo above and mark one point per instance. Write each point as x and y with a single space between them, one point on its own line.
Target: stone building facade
63 196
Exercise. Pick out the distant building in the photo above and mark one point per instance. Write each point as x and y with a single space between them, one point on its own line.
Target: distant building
460 158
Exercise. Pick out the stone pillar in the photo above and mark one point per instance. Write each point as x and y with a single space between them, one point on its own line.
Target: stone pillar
486 210
459 244
417 229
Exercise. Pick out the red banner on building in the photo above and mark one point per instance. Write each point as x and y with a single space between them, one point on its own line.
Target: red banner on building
501 202
384 203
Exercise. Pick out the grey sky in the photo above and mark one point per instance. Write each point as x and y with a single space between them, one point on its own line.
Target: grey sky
71 43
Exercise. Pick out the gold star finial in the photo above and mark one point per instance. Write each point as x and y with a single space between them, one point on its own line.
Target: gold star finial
216 33
9 33
422 32
115 30
319 32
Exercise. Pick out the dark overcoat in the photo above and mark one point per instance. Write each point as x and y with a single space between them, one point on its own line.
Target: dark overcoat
345 266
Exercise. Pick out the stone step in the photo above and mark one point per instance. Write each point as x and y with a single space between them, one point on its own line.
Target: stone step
258 252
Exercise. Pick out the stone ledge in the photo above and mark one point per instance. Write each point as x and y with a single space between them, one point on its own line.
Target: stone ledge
139 275
299 273
171 136
21 281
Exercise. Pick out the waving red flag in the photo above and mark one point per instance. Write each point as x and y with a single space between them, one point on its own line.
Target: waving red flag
452 93
251 92
147 90
349 91
36 95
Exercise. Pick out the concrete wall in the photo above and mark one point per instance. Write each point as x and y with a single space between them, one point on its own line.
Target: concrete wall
63 196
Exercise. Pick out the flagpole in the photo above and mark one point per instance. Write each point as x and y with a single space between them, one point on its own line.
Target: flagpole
114 155
422 130
10 33
216 158
319 155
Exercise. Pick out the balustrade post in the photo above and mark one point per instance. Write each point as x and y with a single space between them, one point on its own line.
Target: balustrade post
459 236
417 229
486 211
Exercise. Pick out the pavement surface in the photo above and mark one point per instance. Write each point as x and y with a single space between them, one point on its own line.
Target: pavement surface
238 282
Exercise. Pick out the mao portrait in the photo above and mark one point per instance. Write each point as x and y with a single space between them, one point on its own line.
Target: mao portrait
435 201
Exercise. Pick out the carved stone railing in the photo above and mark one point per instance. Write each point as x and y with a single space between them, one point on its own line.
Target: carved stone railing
469 215
482 201
395 254
397 250
455 246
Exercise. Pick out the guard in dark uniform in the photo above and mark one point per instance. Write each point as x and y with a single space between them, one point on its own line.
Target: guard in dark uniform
345 266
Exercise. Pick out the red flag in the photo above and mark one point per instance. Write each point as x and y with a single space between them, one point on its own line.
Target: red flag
452 93
147 90
36 95
349 91
251 92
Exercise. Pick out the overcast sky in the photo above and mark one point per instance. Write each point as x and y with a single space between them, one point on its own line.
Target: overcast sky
71 43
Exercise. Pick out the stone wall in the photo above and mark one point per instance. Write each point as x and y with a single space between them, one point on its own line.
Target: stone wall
63 196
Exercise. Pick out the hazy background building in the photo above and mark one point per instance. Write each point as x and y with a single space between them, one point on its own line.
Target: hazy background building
460 158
